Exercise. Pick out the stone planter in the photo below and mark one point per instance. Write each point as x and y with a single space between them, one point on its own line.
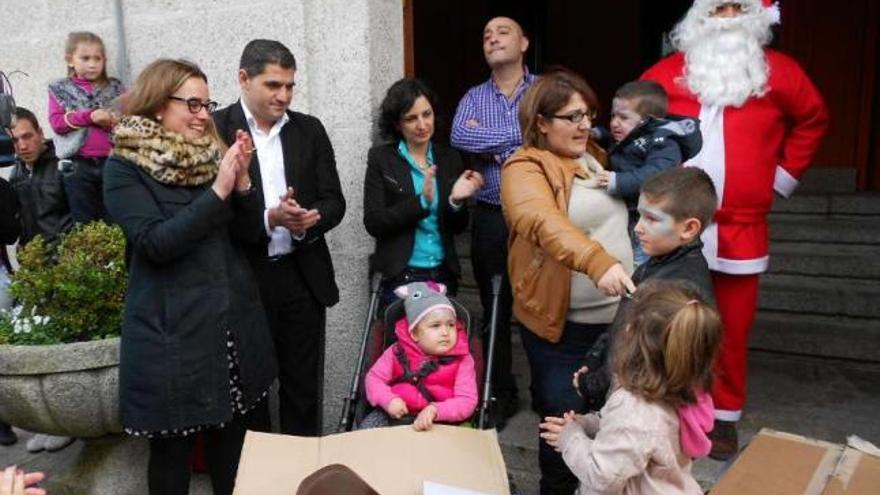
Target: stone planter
72 390
67 389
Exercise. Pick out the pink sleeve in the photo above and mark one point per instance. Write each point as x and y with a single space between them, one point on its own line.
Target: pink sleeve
379 393
464 399
80 118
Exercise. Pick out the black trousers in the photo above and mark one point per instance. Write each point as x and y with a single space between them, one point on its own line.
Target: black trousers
489 257
83 183
297 321
169 468
551 365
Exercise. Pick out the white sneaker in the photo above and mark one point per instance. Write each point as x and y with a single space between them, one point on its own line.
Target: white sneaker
54 444
36 443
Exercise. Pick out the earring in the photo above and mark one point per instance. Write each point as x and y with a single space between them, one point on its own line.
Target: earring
159 118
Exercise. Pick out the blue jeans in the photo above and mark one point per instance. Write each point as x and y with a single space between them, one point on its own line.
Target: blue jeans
552 366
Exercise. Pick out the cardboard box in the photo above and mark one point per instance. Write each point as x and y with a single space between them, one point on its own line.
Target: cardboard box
776 463
392 460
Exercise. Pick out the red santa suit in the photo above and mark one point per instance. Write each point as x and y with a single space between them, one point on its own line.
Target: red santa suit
749 151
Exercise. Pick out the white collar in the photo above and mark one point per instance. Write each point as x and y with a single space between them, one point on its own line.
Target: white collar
252 121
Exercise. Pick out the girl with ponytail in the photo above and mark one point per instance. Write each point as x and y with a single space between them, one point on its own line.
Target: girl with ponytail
657 417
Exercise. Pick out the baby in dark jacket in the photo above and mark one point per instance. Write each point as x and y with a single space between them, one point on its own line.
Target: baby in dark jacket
645 142
675 207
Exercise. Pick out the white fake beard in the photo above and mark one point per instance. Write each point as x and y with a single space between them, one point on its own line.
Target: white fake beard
724 57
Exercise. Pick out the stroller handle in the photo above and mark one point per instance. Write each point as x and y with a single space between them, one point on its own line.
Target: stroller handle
346 419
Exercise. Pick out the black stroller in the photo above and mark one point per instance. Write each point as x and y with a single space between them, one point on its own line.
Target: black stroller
378 334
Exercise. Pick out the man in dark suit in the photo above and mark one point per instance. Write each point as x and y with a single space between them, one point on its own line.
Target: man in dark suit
293 170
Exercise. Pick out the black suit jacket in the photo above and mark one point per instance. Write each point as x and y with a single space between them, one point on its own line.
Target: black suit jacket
392 210
310 169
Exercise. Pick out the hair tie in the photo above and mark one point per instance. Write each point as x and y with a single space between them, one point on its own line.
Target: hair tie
66 121
693 301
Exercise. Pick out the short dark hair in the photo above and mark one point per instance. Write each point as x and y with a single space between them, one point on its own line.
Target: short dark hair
24 113
688 192
545 97
257 54
650 97
398 100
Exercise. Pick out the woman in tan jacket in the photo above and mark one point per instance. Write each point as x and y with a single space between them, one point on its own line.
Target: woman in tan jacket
570 256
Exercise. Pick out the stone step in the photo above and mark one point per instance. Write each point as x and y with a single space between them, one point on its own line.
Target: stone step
817 335
828 260
830 229
830 204
820 295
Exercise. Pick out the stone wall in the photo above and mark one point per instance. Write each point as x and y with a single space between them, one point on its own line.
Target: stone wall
348 52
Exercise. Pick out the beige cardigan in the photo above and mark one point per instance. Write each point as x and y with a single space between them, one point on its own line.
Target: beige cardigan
633 449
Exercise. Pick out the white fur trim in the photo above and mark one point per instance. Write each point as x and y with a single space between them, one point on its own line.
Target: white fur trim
783 182
732 416
710 245
415 321
775 13
741 267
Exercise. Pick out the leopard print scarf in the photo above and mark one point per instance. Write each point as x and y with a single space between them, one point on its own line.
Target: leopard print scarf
167 156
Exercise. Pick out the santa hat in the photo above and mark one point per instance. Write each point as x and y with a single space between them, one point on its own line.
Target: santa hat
773 10
420 298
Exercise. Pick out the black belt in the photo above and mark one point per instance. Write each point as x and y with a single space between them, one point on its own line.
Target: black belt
280 257
488 206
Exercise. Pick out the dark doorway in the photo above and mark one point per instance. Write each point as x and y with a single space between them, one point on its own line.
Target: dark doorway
610 43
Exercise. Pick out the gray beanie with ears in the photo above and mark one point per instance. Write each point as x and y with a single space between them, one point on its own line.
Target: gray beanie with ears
420 298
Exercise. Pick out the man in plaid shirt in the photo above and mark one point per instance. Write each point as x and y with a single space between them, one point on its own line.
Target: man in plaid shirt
486 127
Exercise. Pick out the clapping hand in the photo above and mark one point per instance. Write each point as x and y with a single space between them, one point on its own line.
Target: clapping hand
233 170
553 426
292 216
16 482
467 184
428 183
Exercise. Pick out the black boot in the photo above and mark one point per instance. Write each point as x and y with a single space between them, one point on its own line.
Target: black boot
725 441
7 436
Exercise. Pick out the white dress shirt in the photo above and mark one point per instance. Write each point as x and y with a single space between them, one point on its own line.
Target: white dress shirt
274 184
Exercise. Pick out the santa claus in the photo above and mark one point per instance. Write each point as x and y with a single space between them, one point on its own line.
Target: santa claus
762 121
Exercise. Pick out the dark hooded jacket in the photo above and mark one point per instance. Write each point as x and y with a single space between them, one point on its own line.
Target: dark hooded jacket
686 264
652 147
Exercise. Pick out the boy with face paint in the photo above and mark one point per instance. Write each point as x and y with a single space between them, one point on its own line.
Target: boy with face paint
675 207
645 142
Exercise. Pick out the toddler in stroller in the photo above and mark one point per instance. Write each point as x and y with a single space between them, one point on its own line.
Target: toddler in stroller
429 373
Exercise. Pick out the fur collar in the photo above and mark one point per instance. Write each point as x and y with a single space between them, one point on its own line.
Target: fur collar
167 156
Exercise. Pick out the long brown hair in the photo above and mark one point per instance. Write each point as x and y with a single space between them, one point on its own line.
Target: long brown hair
156 83
76 38
547 96
665 350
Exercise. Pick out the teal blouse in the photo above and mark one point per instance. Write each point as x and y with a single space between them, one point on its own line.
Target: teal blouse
428 246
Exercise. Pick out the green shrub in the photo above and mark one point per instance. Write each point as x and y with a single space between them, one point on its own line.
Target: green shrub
70 293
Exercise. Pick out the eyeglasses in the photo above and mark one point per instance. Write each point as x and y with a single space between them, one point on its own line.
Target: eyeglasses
578 116
195 105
